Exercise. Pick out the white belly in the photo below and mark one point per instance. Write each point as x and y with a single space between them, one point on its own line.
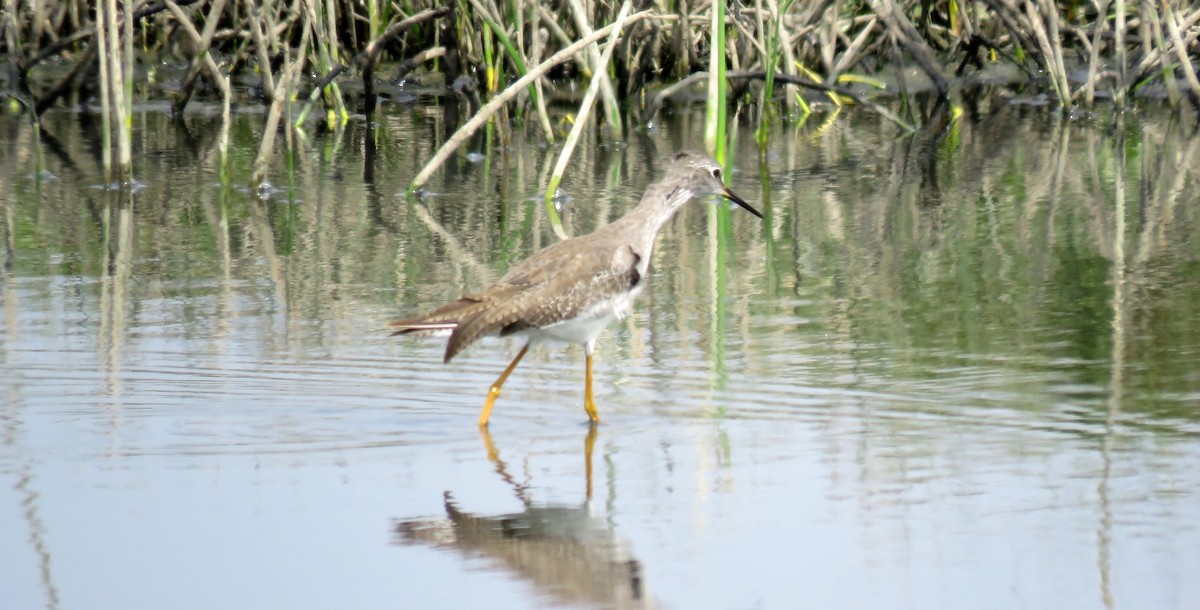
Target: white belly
585 328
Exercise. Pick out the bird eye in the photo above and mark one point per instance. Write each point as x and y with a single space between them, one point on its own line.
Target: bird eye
716 173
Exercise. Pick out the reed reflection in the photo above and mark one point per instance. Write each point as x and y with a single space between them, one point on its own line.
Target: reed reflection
564 550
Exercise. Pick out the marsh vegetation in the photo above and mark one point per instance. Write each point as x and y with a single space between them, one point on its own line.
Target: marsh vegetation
523 66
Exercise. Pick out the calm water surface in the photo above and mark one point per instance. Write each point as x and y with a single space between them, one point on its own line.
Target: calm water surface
957 369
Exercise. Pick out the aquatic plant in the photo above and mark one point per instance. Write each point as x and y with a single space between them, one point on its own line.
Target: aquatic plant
870 53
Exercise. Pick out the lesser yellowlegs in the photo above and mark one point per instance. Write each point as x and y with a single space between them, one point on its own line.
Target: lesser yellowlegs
570 291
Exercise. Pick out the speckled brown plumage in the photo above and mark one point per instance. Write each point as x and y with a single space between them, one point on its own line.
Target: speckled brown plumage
555 284
570 290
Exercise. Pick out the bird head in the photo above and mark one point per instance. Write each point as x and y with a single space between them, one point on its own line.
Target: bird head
702 175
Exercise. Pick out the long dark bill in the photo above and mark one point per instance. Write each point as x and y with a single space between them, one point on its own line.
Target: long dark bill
732 196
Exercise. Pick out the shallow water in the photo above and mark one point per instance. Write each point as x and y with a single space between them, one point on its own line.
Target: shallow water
957 369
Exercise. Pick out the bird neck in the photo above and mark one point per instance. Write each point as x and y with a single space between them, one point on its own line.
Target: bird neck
657 207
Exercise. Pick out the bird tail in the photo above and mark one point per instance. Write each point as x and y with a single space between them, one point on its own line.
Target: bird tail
443 321
419 328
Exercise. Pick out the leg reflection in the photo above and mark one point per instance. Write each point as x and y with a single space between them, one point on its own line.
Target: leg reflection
568 553
589 443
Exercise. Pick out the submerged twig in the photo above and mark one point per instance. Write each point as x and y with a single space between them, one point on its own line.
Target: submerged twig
368 56
860 98
203 57
904 31
290 73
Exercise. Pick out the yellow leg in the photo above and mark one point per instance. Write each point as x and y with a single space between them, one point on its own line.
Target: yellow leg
494 391
589 404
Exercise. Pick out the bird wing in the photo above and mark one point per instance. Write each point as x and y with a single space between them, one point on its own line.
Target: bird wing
447 317
549 287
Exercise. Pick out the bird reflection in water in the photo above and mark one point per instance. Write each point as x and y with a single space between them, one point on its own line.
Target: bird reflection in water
564 550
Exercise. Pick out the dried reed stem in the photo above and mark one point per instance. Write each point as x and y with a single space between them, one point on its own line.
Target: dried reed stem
599 78
259 18
600 71
500 99
1185 62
